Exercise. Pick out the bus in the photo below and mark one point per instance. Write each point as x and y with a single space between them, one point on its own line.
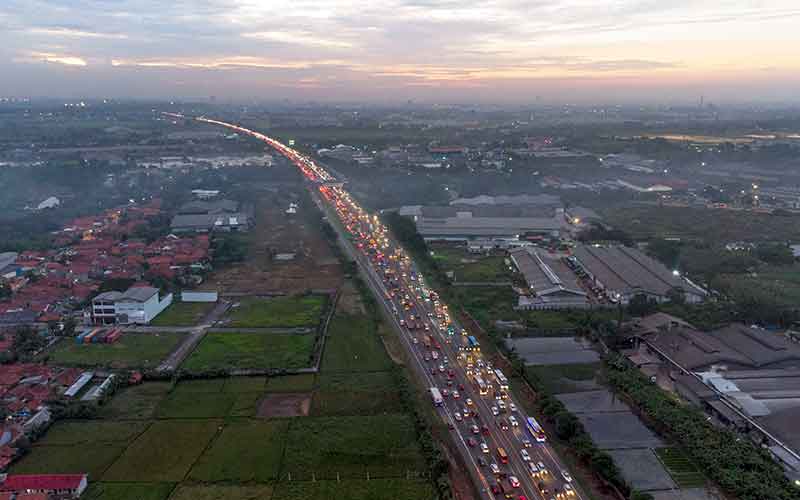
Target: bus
436 396
535 429
502 381
501 454
472 344
483 388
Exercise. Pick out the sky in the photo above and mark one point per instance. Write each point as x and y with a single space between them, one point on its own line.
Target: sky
503 51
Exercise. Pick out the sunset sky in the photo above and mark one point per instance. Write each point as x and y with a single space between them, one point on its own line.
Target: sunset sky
390 50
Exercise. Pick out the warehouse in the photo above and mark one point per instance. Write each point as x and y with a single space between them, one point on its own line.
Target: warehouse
622 273
137 305
552 284
465 223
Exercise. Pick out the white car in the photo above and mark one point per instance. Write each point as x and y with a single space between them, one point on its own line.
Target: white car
532 468
469 402
475 429
494 468
415 340
513 421
501 405
495 411
441 368
484 448
456 395
525 456
513 407
457 416
566 475
514 481
542 468
526 443
569 490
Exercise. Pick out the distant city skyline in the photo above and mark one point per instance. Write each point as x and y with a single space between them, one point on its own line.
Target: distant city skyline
504 51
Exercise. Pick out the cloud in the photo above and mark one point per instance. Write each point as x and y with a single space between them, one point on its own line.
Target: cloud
304 38
69 32
51 57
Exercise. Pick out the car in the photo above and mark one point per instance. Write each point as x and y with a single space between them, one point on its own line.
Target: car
543 488
456 395
569 490
495 488
450 426
526 443
475 429
512 407
502 424
494 468
482 462
461 387
441 368
522 497
566 475
450 383
502 406
466 412
485 430
513 421
457 416
469 401
445 393
427 358
471 442
525 455
542 468
485 448
532 469
415 341
514 481
495 411
433 371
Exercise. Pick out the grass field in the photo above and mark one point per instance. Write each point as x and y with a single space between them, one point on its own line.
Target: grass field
295 311
375 489
195 405
222 492
224 351
291 383
560 378
165 452
183 314
244 451
356 393
681 468
136 402
384 446
353 345
77 433
93 458
139 350
469 267
128 491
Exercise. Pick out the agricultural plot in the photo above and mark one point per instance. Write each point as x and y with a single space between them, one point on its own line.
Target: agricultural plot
165 452
138 402
374 489
93 459
680 467
291 383
290 312
183 314
233 350
222 492
352 447
352 393
471 268
195 405
129 491
139 350
77 433
245 451
559 379
353 345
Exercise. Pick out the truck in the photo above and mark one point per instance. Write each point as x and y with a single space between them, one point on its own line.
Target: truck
436 396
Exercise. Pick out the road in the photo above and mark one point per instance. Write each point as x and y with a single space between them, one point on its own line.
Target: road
429 332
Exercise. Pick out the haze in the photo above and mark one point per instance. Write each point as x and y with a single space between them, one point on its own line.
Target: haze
393 50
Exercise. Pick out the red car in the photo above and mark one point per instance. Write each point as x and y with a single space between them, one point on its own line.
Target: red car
496 489
460 387
485 430
471 442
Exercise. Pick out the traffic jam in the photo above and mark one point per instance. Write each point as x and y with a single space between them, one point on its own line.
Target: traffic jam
507 448
508 451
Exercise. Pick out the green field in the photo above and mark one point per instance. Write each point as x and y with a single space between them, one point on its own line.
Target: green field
183 314
295 311
136 402
471 268
383 446
681 468
195 405
558 379
353 345
77 432
356 393
291 383
132 350
222 492
374 489
128 491
233 350
165 452
91 458
244 451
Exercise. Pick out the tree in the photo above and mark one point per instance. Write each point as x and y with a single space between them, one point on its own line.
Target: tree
642 305
676 295
567 425
641 495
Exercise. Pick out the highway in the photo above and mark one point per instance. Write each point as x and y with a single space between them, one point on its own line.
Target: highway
490 429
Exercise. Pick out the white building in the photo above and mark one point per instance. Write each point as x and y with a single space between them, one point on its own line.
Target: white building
135 306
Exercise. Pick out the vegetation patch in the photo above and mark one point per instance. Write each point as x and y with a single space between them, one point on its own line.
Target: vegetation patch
92 459
291 383
234 350
353 344
222 492
183 314
383 446
245 451
557 379
237 385
294 311
681 468
132 350
128 491
356 394
165 452
374 489
195 405
471 268
74 433
138 402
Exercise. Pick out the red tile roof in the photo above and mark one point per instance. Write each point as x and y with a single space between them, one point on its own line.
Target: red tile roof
22 482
